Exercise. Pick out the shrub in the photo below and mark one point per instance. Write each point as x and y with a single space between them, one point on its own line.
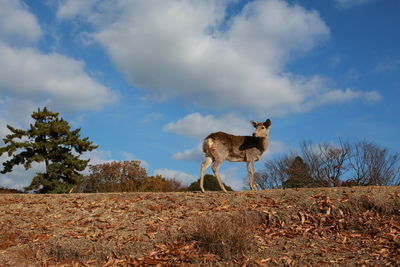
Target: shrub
210 184
228 235
4 190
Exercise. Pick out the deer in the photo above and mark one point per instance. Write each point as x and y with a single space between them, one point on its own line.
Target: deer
221 146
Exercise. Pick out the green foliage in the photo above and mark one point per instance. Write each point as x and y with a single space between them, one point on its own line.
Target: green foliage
210 184
49 140
126 176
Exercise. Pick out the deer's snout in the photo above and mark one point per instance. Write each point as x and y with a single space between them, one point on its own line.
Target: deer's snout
254 134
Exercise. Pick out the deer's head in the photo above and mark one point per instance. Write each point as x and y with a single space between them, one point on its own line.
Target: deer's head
262 128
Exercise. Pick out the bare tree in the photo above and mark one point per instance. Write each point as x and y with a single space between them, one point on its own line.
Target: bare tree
335 162
372 165
263 181
274 173
221 146
359 163
277 170
313 159
327 163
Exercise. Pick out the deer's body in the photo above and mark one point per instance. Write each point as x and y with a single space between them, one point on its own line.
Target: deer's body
221 146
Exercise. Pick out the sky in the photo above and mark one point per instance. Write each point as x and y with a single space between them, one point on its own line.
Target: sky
148 80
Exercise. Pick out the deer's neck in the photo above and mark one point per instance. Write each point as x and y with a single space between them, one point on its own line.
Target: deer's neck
264 143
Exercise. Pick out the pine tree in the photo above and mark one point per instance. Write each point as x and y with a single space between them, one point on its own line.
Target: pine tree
299 175
49 140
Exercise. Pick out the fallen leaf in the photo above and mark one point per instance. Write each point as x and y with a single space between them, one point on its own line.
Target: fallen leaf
110 262
384 252
302 217
156 207
87 252
151 261
260 263
328 211
151 235
117 210
161 246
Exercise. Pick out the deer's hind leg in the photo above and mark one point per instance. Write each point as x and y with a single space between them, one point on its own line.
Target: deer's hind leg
215 168
207 162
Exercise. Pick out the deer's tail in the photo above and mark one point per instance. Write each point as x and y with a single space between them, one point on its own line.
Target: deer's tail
207 146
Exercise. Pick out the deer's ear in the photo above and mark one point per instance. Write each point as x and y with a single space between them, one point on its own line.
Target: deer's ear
254 123
267 123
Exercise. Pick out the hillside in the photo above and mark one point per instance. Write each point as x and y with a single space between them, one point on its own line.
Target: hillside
320 226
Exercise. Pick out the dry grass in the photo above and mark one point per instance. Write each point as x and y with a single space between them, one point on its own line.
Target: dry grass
293 227
380 203
228 235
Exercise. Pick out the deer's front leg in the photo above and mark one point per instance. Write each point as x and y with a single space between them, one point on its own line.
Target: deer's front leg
250 169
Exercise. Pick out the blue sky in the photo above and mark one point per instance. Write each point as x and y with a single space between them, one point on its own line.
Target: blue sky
148 80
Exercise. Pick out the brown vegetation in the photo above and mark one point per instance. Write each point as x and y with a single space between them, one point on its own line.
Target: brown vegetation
125 176
4 190
291 227
228 235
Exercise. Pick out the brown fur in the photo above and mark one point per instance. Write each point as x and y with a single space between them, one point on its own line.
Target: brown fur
221 146
237 146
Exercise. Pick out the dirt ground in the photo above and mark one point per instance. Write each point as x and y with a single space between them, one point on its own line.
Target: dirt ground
294 227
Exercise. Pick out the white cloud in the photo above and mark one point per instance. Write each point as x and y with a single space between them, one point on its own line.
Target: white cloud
181 176
129 156
274 147
193 154
50 79
229 177
352 3
151 117
387 66
237 68
349 94
15 112
340 96
197 126
17 24
179 49
29 78
98 156
72 8
19 177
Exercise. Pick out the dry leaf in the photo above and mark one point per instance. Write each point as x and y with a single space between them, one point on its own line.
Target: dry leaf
110 262
302 217
156 207
260 263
